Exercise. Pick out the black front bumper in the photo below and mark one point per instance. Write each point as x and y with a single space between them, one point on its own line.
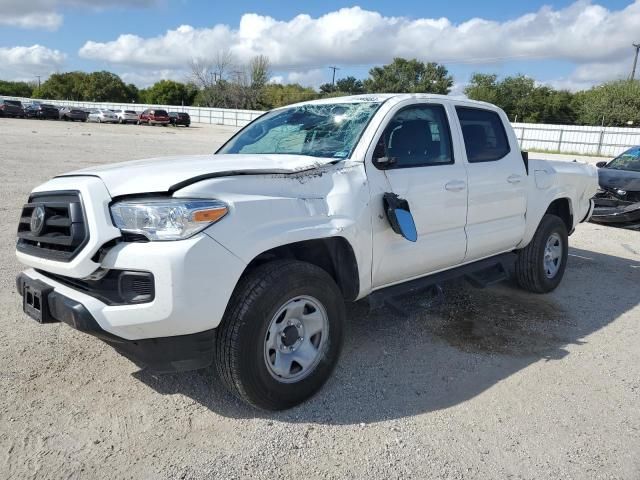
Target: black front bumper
161 355
616 212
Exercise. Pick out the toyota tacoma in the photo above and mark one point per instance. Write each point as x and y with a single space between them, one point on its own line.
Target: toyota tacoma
245 258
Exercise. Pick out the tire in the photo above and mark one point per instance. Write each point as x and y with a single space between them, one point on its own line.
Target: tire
536 271
245 358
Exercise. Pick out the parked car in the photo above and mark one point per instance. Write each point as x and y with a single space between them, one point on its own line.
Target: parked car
245 258
126 116
618 200
154 117
102 116
73 114
179 118
41 111
11 108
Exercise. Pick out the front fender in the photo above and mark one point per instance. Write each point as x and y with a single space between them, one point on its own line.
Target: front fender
268 211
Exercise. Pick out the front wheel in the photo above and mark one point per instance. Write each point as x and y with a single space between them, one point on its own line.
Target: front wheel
281 334
541 264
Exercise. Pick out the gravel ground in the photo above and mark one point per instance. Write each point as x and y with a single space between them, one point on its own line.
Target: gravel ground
484 384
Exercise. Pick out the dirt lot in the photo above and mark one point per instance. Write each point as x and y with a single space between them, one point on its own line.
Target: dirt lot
489 384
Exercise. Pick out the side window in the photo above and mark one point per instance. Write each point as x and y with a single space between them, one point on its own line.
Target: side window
484 137
418 136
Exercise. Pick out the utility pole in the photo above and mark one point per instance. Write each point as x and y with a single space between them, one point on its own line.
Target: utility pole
333 81
635 60
38 77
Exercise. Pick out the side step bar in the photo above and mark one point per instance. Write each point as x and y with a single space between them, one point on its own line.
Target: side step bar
479 274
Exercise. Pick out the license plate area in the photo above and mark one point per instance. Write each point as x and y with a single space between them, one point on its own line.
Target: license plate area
35 300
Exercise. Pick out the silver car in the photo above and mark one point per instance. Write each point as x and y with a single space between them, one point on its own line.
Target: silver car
126 116
102 116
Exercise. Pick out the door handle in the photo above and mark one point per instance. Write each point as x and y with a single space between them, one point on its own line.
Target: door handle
455 186
514 179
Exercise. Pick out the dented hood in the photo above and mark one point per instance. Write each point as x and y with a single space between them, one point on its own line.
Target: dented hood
172 173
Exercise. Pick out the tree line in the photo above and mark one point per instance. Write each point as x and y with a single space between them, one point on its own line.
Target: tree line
225 84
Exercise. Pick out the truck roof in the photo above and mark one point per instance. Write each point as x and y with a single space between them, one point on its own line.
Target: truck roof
381 97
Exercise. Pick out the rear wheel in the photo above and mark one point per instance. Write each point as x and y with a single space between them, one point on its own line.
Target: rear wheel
541 264
281 334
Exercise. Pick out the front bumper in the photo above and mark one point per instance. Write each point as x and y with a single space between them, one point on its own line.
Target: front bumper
194 280
609 211
162 355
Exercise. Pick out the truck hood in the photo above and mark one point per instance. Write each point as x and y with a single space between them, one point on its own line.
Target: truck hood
168 174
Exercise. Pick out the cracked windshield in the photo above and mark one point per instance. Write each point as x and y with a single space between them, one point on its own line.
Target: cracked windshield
317 130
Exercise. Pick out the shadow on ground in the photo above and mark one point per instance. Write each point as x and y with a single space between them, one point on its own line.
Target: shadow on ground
443 353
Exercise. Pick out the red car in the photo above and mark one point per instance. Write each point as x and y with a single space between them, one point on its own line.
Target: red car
154 116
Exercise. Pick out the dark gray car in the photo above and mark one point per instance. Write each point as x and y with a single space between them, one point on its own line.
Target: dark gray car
73 114
11 108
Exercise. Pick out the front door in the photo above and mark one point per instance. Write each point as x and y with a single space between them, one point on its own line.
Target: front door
422 167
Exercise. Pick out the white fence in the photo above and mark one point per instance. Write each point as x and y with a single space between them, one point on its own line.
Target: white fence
606 141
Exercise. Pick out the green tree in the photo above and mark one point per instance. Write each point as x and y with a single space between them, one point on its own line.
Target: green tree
348 85
483 87
409 76
522 99
168 92
277 95
16 89
105 87
63 86
611 104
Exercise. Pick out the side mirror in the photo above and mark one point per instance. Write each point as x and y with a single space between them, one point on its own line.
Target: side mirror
380 159
601 164
399 216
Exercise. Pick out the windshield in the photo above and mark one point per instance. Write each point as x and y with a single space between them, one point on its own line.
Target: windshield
629 160
318 130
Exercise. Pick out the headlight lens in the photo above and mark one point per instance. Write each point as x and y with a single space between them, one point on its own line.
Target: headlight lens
167 218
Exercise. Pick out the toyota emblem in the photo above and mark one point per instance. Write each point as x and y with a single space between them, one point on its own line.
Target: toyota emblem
37 220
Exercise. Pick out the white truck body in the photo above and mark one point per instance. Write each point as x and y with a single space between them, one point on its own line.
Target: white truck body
463 212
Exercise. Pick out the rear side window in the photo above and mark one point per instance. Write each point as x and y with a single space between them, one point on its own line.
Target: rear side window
485 139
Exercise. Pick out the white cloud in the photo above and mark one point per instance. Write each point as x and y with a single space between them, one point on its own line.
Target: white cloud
48 21
583 33
310 78
44 13
146 78
23 63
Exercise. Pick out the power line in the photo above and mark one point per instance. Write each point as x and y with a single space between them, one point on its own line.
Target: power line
635 60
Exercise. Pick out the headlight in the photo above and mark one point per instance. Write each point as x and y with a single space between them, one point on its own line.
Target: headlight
166 218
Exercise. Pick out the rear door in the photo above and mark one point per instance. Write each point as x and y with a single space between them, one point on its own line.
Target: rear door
496 174
429 172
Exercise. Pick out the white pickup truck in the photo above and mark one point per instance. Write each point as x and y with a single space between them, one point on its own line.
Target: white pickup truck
246 257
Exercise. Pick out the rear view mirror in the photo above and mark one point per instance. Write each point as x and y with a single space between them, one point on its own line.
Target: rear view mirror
399 216
601 164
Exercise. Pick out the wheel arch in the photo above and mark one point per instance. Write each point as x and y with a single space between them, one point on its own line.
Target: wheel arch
562 207
335 255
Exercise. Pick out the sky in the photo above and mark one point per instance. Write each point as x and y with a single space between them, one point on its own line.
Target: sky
565 44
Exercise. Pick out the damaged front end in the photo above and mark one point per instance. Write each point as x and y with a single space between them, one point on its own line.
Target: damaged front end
617 207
